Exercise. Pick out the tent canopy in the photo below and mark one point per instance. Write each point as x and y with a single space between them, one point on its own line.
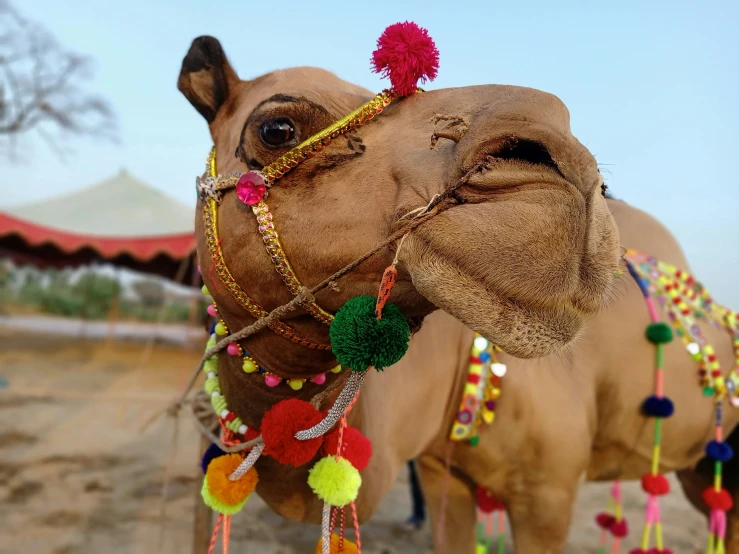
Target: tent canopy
120 220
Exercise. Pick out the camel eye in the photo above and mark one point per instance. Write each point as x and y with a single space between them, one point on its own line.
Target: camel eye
276 132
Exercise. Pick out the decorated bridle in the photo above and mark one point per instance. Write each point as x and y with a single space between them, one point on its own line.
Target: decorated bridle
366 332
251 189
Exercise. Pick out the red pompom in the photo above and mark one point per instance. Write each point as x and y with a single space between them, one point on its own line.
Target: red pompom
406 53
619 529
486 502
279 426
605 520
355 447
718 500
656 485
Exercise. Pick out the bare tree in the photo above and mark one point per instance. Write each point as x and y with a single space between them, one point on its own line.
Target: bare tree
40 87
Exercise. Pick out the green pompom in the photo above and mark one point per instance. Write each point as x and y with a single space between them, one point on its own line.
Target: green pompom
360 340
707 391
659 333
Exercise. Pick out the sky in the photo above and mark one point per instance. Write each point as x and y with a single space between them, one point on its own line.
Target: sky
652 89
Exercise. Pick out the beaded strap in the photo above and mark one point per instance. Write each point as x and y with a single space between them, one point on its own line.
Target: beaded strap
210 220
281 263
316 143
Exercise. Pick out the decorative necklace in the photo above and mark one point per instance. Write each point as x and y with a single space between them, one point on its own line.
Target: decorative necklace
250 366
481 392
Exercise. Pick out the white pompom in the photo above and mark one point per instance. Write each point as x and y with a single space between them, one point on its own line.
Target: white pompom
693 348
499 369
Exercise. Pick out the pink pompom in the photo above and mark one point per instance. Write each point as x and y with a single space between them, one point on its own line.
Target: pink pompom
271 380
406 54
211 310
319 379
233 349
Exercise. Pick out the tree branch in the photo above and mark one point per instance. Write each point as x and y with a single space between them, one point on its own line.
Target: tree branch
41 87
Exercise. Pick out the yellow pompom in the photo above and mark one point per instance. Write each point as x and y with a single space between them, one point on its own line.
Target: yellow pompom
222 494
335 480
221 328
295 384
205 290
249 366
348 548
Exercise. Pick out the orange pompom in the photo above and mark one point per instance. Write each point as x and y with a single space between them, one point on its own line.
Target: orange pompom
348 547
221 488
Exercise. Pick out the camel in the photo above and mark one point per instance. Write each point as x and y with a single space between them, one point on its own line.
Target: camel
529 258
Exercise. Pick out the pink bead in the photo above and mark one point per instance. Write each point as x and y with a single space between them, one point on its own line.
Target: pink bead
319 379
233 349
271 380
212 310
250 188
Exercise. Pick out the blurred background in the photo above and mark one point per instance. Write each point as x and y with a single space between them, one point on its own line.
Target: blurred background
101 318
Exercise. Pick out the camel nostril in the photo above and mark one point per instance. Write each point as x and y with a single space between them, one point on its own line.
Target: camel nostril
524 150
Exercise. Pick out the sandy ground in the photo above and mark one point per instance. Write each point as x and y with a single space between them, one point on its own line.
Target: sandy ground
78 475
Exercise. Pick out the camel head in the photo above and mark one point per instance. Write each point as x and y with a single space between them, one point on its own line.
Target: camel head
528 252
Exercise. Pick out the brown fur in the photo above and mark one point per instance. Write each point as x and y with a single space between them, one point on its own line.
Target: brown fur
527 259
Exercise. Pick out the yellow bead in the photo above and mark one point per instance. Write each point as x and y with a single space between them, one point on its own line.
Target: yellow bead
495 394
221 328
488 417
205 290
336 369
249 366
295 384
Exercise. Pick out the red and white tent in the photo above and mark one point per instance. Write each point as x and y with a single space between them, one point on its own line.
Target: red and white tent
121 221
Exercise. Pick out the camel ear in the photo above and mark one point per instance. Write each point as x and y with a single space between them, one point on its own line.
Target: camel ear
206 76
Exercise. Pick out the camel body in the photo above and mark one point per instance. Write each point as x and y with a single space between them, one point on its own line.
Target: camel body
525 254
561 419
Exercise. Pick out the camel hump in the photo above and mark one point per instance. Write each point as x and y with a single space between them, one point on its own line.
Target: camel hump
641 231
